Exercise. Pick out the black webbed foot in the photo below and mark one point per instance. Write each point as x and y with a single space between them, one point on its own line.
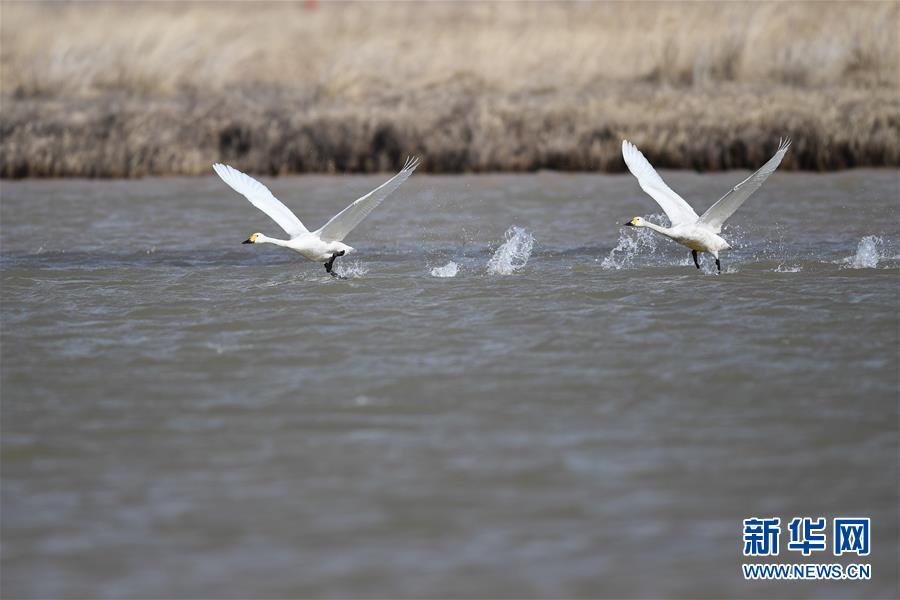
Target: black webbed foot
329 266
718 265
694 255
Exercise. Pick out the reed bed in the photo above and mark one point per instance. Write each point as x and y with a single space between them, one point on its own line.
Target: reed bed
119 90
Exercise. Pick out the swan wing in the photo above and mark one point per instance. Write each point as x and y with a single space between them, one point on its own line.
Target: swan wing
674 205
719 212
343 223
260 197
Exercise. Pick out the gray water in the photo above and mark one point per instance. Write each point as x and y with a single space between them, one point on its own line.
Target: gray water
186 416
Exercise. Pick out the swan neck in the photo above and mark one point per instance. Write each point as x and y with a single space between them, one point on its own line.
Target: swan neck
264 239
659 228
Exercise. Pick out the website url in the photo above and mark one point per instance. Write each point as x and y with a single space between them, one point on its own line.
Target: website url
807 571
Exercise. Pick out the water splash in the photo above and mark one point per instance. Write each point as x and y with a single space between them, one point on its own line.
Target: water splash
448 270
631 244
868 252
788 268
350 270
772 246
513 254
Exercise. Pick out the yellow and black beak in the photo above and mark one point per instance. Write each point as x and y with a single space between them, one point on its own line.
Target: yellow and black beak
629 224
251 239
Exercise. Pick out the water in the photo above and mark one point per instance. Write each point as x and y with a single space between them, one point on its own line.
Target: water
451 269
513 254
868 253
186 416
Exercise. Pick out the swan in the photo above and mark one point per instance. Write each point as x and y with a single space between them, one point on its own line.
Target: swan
324 244
700 234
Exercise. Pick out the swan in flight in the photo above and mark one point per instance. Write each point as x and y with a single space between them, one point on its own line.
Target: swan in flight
700 234
326 243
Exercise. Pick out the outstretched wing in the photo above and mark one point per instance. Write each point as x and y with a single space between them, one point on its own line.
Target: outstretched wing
674 205
342 223
730 202
260 197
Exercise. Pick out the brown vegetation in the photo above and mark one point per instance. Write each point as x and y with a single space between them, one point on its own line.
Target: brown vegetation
125 90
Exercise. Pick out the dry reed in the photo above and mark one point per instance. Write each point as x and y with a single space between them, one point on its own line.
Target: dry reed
106 89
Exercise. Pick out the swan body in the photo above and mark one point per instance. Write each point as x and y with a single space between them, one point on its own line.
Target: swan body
324 244
699 233
308 244
694 236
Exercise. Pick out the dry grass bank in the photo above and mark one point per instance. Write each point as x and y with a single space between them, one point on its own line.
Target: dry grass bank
124 90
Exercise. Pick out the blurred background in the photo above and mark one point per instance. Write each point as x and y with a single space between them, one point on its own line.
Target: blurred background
128 89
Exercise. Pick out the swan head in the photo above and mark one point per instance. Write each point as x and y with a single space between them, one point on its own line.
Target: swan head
251 239
636 222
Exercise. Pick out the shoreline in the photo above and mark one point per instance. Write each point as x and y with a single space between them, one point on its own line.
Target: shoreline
456 131
116 90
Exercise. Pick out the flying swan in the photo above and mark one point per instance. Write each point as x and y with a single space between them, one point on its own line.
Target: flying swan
326 243
700 234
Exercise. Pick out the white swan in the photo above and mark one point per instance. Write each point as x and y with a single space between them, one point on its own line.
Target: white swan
700 234
326 243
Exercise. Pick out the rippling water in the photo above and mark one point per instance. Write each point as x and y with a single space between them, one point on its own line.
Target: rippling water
183 415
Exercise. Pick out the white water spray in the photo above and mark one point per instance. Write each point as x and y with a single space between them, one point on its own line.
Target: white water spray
638 241
788 268
513 254
448 270
350 270
868 252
